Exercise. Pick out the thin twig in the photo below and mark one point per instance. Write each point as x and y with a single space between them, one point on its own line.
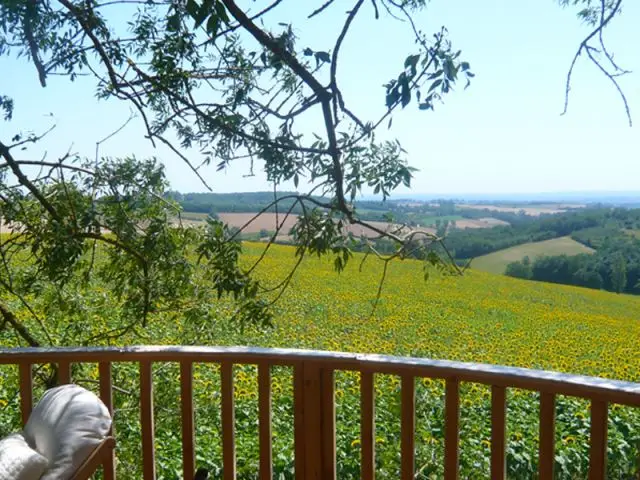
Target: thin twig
320 9
584 46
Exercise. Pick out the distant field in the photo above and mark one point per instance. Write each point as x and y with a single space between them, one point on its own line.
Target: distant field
194 216
534 211
430 220
496 262
267 221
487 222
461 222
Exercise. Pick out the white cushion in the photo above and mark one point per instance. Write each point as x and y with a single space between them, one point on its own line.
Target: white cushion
66 426
18 461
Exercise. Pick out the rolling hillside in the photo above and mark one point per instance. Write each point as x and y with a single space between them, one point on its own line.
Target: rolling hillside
476 317
496 262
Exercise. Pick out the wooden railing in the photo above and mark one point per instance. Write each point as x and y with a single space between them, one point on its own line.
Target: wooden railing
314 405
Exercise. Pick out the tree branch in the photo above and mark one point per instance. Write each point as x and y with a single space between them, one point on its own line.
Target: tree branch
29 17
24 181
336 52
20 329
584 46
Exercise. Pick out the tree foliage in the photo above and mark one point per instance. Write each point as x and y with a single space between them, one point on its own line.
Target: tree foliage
209 76
233 83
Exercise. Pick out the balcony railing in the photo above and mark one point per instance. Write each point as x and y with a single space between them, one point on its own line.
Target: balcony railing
314 403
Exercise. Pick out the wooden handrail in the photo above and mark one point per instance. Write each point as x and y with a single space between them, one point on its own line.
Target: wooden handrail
314 403
614 391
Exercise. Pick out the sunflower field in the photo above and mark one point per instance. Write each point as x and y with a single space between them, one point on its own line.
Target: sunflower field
477 317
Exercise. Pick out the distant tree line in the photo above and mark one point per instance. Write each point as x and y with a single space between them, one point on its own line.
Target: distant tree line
213 203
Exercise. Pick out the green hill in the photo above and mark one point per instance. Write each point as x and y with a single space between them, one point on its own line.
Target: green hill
496 262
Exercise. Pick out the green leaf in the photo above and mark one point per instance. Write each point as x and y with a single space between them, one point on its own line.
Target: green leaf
307 52
411 61
435 85
212 25
221 12
392 97
406 90
323 56
173 22
203 12
192 8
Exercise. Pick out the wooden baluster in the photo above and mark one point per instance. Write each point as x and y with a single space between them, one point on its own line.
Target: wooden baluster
146 420
498 432
546 456
451 428
312 422
264 414
328 418
186 411
106 395
367 426
407 428
299 421
598 451
26 391
228 422
64 372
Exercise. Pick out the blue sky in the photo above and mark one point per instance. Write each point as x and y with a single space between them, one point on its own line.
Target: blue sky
504 134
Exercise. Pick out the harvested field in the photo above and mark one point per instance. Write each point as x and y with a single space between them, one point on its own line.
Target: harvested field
486 222
533 211
359 230
266 221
